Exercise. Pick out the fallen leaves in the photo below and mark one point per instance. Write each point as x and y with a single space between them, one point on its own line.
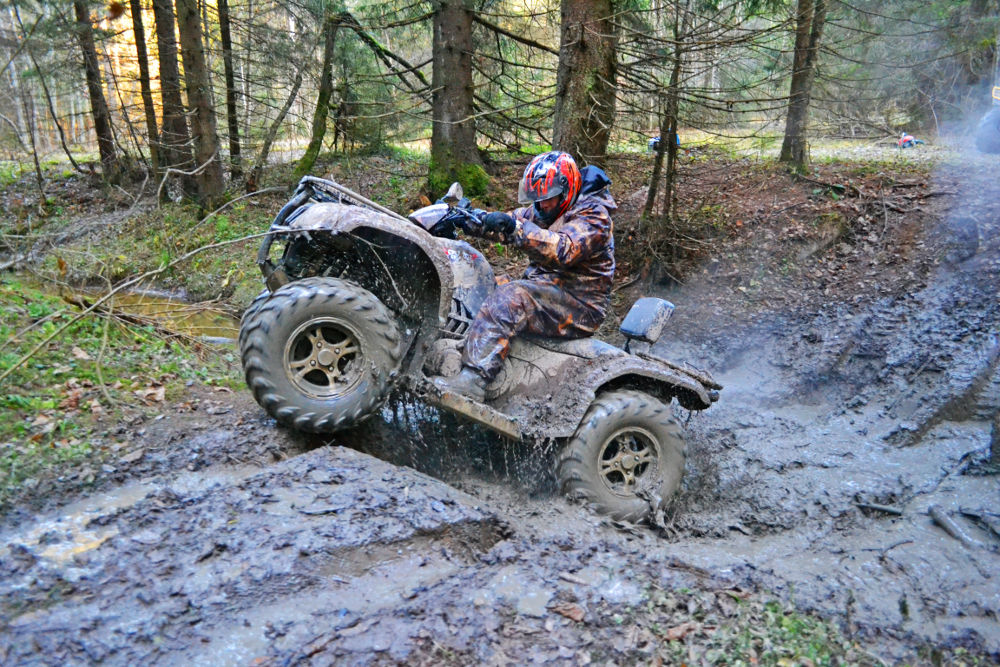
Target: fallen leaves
72 400
680 631
132 457
152 394
574 612
42 425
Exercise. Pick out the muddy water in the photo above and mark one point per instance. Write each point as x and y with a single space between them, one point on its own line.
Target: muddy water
838 431
78 527
196 320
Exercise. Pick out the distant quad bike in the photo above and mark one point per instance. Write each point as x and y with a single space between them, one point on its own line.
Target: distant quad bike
988 132
363 301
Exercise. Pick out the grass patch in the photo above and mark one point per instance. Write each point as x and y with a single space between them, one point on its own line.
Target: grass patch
57 406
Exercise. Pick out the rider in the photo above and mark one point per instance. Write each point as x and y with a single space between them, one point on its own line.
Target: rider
907 141
566 290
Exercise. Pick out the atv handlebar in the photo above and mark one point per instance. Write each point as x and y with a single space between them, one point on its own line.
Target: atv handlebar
322 190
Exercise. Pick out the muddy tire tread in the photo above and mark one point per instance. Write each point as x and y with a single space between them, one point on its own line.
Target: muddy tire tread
254 306
261 353
576 477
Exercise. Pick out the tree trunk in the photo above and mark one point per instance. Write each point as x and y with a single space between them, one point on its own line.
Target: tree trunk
454 155
669 122
253 180
211 184
232 117
175 148
45 88
98 104
673 108
585 80
809 20
145 91
305 165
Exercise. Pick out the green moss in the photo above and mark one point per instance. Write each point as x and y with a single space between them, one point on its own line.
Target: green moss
474 179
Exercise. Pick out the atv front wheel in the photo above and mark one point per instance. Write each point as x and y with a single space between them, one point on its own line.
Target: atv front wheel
319 353
627 451
255 305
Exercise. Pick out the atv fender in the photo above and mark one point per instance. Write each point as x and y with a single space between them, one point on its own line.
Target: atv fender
555 408
625 372
641 374
612 366
334 218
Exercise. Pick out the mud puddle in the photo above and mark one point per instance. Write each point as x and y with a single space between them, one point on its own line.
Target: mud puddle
198 320
224 573
61 536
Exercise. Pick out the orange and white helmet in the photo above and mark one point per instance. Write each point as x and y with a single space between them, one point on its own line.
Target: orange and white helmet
549 175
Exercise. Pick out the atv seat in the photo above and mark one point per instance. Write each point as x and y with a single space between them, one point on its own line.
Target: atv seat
645 320
587 348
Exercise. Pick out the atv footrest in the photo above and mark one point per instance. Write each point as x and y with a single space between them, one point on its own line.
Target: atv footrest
477 412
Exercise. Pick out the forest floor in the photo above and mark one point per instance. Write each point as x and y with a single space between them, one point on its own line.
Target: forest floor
852 317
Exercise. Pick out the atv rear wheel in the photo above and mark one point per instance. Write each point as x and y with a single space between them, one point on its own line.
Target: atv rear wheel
319 353
627 451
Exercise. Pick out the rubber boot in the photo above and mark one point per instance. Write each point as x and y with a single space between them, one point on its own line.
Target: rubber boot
468 383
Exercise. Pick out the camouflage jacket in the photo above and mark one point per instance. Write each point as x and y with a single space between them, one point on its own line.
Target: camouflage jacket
576 252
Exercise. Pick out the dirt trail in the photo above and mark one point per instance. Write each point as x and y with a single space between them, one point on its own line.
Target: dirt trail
223 539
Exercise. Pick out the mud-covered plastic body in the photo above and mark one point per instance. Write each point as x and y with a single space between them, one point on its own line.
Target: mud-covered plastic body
435 286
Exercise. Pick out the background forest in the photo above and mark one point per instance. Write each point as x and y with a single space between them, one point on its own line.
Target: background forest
200 97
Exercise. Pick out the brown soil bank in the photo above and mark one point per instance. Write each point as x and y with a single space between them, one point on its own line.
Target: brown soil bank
853 319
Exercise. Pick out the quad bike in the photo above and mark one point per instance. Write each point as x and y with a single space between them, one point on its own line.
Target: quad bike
363 301
988 132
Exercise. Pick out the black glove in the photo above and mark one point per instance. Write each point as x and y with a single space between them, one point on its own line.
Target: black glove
472 224
499 223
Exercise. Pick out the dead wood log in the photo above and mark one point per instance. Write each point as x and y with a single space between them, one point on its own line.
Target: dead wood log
952 528
991 525
880 508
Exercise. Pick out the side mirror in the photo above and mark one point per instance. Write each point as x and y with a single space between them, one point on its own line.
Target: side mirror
454 195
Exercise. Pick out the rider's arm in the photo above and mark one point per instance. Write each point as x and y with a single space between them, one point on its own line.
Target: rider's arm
585 232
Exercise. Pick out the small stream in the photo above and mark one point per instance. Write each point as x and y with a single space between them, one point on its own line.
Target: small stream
205 321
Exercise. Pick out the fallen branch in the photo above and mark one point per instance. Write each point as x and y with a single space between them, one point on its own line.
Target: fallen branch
952 528
124 286
322 511
109 312
982 518
880 508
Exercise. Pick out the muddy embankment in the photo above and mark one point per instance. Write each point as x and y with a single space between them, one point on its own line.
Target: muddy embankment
843 423
849 426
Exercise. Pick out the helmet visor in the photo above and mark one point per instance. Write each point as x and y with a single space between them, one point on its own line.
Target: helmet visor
536 190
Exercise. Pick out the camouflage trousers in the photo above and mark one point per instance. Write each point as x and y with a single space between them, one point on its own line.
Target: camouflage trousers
533 307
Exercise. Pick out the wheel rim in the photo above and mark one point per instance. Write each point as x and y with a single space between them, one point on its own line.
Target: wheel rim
323 358
627 460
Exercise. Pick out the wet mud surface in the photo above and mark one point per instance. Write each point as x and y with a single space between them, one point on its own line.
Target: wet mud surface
851 411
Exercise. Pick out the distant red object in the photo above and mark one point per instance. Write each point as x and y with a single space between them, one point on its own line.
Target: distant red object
908 141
